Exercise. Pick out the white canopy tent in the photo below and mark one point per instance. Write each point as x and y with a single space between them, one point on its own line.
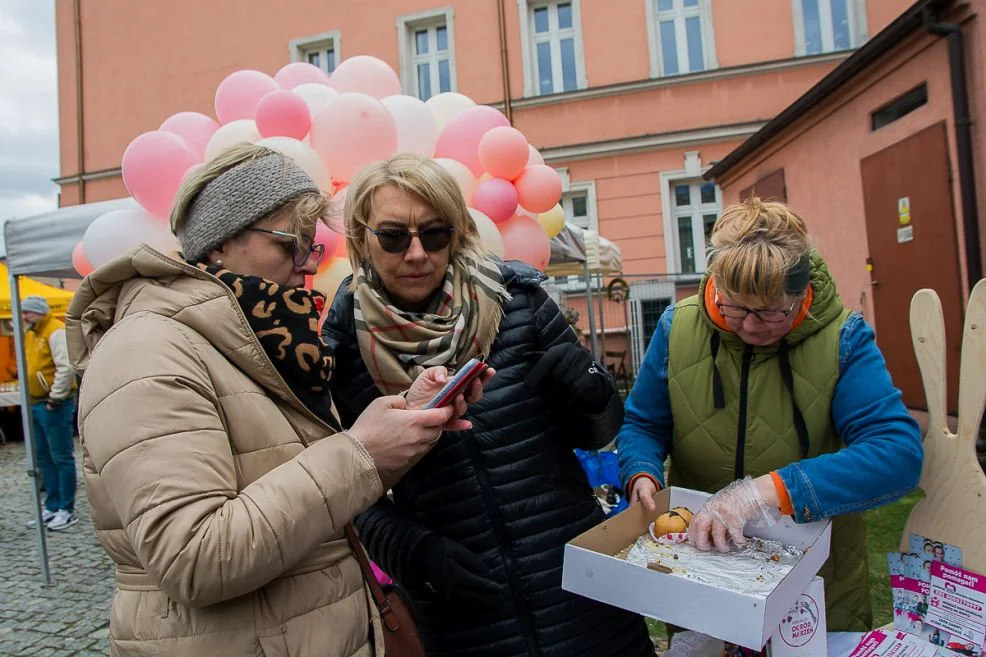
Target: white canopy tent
42 245
577 251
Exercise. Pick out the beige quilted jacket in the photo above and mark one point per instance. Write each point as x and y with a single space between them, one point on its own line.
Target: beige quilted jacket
221 499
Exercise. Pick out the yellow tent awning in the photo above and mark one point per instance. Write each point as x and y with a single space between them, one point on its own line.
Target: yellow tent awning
57 298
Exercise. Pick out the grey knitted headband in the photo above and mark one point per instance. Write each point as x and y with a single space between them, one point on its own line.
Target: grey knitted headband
238 198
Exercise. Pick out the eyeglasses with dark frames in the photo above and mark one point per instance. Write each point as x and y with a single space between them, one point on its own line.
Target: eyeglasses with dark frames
398 240
765 315
301 248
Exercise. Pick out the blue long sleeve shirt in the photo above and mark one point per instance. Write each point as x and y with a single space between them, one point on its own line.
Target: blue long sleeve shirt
883 455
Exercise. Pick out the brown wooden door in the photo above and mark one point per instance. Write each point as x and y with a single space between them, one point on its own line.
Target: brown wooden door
904 261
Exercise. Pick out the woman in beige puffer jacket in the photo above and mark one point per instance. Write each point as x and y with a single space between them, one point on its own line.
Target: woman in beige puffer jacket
220 495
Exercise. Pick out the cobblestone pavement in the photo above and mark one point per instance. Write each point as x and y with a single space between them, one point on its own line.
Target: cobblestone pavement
69 618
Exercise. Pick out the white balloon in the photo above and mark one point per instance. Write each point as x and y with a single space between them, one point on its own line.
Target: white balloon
447 106
231 134
417 131
316 96
463 176
489 234
304 156
112 234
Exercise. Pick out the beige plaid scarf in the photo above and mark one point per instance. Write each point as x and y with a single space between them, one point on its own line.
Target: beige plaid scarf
461 323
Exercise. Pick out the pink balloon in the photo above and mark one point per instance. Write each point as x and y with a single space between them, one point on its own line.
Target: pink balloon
525 240
460 138
283 114
154 165
328 239
239 94
80 261
534 157
538 188
503 152
196 129
366 75
496 198
298 73
352 131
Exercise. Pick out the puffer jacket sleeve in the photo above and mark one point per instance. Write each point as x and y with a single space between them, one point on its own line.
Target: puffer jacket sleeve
152 430
587 430
391 536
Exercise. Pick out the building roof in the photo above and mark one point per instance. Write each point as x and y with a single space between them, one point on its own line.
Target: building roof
871 51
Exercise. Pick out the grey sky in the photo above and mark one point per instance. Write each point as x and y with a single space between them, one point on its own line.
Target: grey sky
28 108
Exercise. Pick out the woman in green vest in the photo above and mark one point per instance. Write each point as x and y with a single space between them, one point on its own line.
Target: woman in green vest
765 390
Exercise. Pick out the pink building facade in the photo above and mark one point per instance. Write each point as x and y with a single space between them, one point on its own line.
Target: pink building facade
631 100
872 158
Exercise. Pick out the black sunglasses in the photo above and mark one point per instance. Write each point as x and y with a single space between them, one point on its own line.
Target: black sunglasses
300 248
398 240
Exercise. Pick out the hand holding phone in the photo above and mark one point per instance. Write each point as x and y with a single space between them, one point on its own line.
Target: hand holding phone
457 384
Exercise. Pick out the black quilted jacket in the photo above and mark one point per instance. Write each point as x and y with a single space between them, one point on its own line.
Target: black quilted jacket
511 490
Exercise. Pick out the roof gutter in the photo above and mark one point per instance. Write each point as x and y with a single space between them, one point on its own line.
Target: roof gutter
963 141
910 21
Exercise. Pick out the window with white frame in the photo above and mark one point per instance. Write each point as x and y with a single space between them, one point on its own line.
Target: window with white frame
576 206
321 50
579 204
681 36
427 53
694 206
823 26
557 48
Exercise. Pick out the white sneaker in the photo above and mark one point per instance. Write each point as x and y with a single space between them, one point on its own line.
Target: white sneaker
46 517
62 520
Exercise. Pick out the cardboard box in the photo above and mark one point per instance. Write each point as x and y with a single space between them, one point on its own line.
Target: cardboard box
592 570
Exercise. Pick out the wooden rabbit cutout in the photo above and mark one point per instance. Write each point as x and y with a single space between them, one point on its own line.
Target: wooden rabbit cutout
954 508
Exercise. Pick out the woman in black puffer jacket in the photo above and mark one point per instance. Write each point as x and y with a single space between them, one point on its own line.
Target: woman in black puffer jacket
475 532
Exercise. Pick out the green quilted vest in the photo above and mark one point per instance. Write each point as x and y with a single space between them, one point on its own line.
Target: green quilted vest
754 431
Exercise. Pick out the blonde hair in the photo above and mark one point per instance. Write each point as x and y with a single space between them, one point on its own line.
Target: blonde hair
305 209
755 245
424 178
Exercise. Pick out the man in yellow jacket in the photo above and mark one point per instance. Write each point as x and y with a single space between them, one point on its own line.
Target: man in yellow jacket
51 383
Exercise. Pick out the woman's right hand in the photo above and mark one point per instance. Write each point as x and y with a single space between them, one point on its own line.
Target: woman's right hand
396 437
643 492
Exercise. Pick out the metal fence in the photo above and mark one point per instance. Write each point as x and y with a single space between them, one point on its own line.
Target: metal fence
616 316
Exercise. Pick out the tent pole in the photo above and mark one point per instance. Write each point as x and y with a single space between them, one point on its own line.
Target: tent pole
28 424
602 320
591 310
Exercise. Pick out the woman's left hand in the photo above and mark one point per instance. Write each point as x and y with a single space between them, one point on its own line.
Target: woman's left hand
430 382
726 513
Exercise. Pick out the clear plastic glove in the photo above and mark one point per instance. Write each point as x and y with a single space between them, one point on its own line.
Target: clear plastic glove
724 516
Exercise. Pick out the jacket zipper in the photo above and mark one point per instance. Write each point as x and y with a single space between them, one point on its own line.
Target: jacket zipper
744 395
516 591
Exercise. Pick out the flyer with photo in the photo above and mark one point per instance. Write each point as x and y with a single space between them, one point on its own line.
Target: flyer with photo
957 605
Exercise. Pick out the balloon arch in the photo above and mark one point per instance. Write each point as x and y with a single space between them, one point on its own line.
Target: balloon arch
332 126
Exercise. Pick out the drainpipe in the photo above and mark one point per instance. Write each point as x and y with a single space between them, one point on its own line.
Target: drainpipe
963 142
79 115
504 67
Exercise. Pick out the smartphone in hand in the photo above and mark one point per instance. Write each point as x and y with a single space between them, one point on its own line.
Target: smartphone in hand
457 383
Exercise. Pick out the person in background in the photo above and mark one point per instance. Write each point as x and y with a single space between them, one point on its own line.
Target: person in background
765 390
219 479
475 533
51 383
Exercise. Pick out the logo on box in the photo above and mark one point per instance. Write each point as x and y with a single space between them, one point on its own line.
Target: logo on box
801 623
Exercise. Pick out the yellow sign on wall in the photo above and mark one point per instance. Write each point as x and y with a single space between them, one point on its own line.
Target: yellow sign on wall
904 210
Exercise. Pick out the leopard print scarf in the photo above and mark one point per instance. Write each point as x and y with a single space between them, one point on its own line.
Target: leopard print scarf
285 321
